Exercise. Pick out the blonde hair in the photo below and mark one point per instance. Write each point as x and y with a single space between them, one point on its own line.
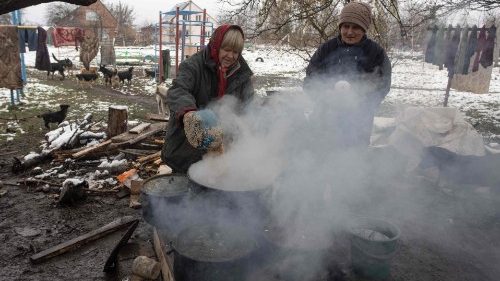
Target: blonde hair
233 39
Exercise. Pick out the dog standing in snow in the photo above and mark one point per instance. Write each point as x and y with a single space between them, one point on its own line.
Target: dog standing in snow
54 117
161 99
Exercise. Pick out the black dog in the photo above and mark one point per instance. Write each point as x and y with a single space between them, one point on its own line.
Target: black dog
149 73
87 77
108 74
126 74
59 66
54 117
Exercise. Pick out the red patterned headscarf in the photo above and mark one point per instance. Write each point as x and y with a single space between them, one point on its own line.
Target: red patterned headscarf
214 45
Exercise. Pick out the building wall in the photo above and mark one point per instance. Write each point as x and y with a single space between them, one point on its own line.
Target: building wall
95 16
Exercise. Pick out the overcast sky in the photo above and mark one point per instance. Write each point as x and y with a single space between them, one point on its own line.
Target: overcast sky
145 10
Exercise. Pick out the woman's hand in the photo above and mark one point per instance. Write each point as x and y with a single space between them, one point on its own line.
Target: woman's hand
202 131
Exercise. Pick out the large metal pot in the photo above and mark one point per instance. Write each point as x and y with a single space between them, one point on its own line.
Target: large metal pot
164 199
241 203
211 252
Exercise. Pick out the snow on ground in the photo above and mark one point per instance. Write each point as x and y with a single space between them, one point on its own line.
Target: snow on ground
414 83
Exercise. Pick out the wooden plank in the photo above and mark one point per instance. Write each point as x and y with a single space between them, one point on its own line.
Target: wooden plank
157 117
83 239
135 152
166 261
150 157
91 149
139 128
155 128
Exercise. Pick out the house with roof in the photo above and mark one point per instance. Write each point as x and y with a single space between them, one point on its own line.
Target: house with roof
93 17
190 19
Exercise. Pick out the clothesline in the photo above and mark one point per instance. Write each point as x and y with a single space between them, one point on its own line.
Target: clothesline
20 26
460 28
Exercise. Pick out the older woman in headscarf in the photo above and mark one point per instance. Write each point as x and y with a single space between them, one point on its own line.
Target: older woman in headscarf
216 71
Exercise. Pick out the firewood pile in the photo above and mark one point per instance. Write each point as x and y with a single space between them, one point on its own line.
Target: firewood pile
82 156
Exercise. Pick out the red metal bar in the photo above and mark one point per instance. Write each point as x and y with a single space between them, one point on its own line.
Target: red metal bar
202 40
177 41
160 67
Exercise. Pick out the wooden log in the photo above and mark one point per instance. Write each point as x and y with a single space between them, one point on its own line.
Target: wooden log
135 192
159 141
150 157
146 267
166 262
117 120
139 128
83 239
91 149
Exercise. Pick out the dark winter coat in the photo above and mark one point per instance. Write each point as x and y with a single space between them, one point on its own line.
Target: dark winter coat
194 88
365 63
42 61
487 53
471 49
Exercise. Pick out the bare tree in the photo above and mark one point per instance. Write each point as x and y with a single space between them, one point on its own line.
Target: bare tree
304 23
125 15
56 12
7 6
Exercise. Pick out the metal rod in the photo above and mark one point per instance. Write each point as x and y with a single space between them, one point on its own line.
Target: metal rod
177 41
160 63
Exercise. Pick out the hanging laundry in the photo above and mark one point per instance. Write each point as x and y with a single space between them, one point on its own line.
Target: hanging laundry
451 50
487 53
10 64
462 48
42 61
471 49
108 56
27 35
439 51
481 44
429 51
89 48
67 36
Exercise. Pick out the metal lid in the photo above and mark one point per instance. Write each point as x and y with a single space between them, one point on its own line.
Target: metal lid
166 185
214 243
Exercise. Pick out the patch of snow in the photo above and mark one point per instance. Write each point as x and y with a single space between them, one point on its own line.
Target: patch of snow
31 156
72 181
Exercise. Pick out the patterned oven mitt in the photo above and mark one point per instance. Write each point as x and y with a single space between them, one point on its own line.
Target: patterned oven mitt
202 131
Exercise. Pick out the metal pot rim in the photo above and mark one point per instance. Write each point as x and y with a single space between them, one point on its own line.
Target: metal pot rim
251 245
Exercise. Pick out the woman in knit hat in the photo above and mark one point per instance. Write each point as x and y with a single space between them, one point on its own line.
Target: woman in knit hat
352 59
215 71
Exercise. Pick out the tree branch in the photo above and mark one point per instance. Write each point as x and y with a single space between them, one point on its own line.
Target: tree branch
7 6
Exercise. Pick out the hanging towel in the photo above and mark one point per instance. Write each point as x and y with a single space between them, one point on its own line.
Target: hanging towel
481 44
429 51
10 64
42 61
29 36
487 53
471 49
460 57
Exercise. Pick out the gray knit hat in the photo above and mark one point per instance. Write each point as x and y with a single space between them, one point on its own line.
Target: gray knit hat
358 13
